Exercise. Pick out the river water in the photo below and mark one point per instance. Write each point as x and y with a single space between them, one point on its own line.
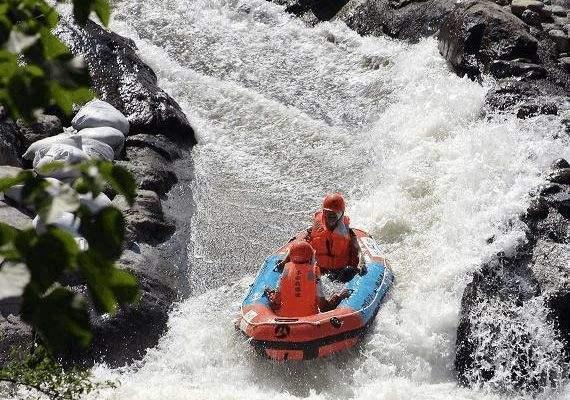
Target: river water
285 113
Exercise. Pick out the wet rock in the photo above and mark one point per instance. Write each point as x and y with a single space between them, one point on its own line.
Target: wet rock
532 18
44 126
560 175
535 275
125 337
565 63
151 170
409 20
520 6
559 11
477 33
561 39
145 219
10 143
532 110
559 305
121 78
551 265
14 217
538 209
157 143
15 336
504 69
560 163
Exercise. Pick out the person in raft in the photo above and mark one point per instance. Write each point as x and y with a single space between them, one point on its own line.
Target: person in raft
299 293
336 246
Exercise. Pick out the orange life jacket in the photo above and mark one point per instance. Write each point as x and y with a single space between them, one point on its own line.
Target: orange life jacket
298 290
332 248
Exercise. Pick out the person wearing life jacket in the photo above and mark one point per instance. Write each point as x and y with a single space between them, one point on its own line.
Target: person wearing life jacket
299 293
335 245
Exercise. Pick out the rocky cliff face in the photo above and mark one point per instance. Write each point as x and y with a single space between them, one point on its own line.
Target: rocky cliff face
507 350
160 133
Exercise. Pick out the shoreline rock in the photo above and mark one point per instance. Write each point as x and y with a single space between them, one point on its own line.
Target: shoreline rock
122 79
537 272
159 132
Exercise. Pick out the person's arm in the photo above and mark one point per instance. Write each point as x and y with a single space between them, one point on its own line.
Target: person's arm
274 297
333 301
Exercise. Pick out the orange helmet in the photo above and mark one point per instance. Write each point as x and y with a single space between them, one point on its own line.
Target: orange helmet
334 202
301 252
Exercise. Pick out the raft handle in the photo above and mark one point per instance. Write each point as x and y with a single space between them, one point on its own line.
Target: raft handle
336 322
286 319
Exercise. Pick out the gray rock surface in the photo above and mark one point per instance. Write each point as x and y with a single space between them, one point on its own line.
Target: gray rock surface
44 126
409 20
121 78
127 336
496 306
10 143
151 170
14 336
478 32
145 219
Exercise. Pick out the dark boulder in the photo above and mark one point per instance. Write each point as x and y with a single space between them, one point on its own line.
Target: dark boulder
145 219
151 170
505 69
10 143
15 336
479 32
411 20
514 326
125 337
42 127
157 143
121 78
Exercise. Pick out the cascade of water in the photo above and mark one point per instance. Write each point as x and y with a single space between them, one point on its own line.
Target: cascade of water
285 113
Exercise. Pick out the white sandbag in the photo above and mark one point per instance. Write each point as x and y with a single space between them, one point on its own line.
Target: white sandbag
99 113
15 192
95 204
42 146
111 136
61 152
65 221
96 149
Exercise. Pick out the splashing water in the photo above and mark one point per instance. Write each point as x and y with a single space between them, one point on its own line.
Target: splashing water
285 113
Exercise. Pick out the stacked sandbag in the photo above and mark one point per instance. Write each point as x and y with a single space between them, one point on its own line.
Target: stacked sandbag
98 113
98 132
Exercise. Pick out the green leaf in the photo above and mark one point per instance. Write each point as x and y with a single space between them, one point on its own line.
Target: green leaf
46 255
109 286
50 167
60 317
9 181
103 11
105 232
120 179
7 234
34 193
52 46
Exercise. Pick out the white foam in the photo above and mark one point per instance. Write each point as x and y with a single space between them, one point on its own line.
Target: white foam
285 113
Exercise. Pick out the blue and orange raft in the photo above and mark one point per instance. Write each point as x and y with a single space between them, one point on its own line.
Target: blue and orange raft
318 335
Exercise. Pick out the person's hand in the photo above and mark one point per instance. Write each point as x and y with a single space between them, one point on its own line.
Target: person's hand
280 265
344 294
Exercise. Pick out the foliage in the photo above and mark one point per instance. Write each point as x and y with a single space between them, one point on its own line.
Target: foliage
57 314
37 71
38 372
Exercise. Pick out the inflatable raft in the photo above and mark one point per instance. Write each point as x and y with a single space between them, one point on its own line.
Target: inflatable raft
324 333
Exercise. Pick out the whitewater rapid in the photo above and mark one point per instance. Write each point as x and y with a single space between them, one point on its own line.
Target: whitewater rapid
285 113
